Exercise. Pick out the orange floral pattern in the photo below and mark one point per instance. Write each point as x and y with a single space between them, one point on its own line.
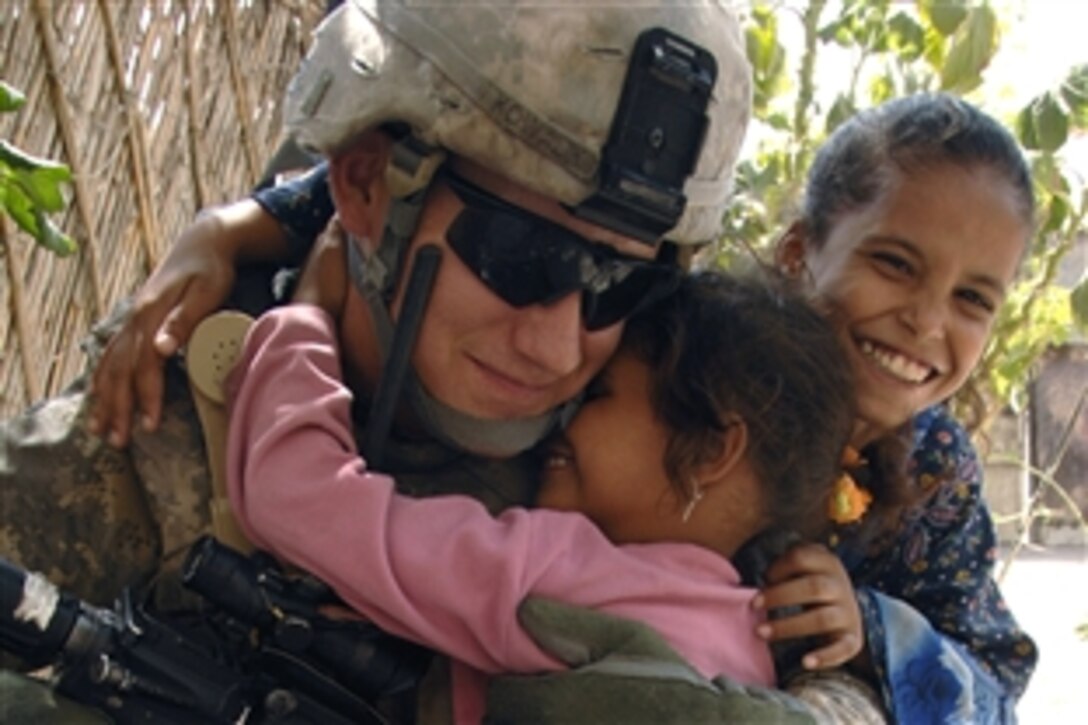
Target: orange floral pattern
848 501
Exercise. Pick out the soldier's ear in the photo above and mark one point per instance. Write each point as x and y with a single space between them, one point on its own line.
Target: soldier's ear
358 186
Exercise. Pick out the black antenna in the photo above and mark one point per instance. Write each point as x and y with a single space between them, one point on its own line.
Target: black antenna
420 281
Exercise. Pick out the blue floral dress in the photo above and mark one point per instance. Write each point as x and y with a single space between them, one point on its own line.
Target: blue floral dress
944 644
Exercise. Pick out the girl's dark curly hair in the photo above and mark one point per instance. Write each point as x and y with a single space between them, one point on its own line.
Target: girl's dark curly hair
724 348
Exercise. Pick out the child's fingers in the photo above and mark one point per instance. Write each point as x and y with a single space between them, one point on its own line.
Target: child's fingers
840 651
814 622
812 589
805 560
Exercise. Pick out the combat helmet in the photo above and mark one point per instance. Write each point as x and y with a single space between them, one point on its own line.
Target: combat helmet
530 89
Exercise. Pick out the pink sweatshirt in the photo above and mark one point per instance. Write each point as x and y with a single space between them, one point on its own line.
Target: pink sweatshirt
442 571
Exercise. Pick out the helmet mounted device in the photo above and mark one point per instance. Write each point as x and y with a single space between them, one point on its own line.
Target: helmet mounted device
655 139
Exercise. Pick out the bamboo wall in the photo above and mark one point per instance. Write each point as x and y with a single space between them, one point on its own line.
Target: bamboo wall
160 107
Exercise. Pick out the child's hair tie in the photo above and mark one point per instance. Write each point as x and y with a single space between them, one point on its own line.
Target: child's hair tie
848 501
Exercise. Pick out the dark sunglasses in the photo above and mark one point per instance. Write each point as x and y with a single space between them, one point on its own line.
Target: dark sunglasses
528 260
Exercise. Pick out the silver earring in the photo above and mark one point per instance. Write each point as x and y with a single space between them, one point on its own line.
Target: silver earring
696 497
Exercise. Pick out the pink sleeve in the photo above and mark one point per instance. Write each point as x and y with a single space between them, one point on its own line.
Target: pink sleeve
418 568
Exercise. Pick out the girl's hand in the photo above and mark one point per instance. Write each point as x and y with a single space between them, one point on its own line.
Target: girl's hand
810 579
191 282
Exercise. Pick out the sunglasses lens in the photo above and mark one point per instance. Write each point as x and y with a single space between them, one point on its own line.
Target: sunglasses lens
645 284
527 260
494 246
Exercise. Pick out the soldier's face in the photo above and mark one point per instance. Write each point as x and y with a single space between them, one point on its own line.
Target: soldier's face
484 356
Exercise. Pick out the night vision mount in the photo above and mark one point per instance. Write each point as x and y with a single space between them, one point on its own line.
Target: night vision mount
655 139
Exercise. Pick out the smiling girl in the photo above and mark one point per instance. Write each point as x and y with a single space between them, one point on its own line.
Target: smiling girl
917 215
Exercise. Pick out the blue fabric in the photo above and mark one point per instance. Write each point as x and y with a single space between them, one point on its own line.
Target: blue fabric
302 206
944 644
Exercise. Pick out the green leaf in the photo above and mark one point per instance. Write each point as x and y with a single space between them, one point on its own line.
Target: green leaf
843 31
30 218
945 16
20 208
935 49
881 88
1025 129
11 98
906 37
771 172
1075 87
1051 122
1074 92
835 32
842 109
871 34
1078 300
779 122
1057 213
760 38
19 159
40 179
973 46
45 184
53 238
1047 173
767 57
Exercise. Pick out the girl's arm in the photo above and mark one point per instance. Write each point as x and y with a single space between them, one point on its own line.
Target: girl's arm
419 569
935 619
194 279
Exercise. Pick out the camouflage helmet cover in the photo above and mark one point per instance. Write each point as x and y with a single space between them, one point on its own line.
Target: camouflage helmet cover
528 89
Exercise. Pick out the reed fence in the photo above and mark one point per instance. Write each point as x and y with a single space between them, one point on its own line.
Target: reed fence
160 108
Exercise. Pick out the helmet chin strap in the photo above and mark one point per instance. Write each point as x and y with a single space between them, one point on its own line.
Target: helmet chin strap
485 437
373 278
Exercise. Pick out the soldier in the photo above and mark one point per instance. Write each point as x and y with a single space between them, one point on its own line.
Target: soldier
523 99
593 144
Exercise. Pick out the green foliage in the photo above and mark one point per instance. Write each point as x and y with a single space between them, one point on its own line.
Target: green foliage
1043 125
30 187
973 45
895 50
1034 318
11 99
1078 301
1074 93
906 37
767 57
945 16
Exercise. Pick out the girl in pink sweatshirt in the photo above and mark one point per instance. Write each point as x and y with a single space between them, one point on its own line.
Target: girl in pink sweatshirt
724 414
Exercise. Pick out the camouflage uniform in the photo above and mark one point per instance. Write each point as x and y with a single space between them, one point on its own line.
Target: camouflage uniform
93 518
